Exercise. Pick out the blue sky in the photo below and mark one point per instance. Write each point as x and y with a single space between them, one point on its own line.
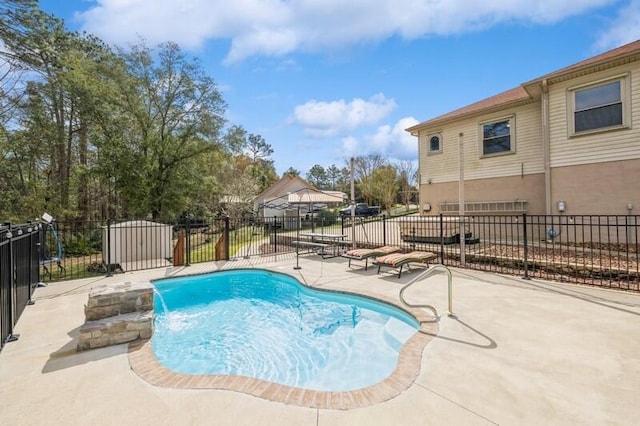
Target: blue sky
322 80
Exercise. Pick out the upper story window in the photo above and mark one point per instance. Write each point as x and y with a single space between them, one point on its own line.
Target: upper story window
435 143
598 106
497 137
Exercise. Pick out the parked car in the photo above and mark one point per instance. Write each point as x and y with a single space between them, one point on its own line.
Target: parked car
362 209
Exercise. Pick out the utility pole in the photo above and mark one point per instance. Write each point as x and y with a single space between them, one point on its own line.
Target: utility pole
353 205
461 197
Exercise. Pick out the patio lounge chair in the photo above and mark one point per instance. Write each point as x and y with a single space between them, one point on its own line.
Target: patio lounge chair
398 260
365 254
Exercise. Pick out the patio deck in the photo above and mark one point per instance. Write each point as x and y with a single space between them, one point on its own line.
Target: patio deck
519 352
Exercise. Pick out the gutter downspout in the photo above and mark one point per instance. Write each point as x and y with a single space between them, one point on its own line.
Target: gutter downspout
420 203
546 148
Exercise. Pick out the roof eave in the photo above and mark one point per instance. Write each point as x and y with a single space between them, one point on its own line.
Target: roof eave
620 56
414 130
574 72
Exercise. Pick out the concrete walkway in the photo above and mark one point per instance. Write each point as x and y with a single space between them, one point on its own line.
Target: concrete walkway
518 353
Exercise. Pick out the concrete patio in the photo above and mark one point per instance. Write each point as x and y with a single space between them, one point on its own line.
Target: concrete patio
518 353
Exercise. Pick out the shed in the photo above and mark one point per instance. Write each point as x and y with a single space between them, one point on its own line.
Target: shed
137 244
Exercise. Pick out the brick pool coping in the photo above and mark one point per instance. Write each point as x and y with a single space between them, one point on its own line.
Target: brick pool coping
146 366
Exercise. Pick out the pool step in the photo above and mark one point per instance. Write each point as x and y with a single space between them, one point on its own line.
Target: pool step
115 330
396 332
116 314
109 300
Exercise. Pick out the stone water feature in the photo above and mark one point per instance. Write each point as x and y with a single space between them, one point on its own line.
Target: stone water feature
116 314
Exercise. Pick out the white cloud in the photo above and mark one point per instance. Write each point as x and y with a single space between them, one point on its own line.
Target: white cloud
350 147
326 119
279 27
624 29
394 141
390 141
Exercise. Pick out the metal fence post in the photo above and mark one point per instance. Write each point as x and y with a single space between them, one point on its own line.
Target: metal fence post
12 288
31 283
12 272
275 233
187 245
442 239
463 240
526 247
226 238
109 274
40 230
384 230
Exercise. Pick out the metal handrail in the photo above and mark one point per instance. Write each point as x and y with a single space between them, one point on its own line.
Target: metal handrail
428 272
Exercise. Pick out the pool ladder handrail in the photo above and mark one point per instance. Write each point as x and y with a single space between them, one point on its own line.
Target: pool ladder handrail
425 274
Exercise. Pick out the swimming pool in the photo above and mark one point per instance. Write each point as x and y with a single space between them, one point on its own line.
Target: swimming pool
268 326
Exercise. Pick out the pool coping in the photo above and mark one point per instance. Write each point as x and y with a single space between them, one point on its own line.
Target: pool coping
144 363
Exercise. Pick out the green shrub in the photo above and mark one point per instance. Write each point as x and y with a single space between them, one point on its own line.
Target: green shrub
79 245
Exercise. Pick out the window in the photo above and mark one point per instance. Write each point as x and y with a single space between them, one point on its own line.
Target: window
598 106
497 137
435 144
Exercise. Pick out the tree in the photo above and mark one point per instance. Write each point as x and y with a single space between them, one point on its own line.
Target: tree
292 172
178 116
231 178
236 140
13 14
253 153
343 183
384 181
21 188
334 175
46 106
240 189
56 106
262 167
87 132
407 179
258 148
317 176
14 18
364 167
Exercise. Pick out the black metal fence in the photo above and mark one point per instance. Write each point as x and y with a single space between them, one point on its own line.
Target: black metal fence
19 269
595 250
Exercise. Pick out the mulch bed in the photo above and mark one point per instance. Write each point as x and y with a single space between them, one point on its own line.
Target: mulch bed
605 266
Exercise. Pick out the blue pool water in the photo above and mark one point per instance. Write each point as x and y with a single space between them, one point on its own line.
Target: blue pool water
267 325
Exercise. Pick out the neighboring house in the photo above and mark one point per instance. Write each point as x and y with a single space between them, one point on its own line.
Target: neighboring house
291 192
567 142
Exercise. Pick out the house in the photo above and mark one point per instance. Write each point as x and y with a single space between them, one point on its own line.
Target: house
564 143
291 192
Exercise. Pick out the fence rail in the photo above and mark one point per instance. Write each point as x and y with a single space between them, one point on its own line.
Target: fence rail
588 249
19 273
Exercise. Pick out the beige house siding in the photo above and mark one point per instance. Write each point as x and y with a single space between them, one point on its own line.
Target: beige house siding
443 166
527 159
602 188
595 173
613 145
